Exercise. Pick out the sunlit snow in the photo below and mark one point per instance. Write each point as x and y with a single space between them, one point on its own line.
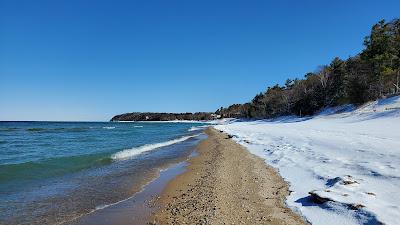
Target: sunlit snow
348 155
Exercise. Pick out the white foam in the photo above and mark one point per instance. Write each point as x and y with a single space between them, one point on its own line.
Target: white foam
129 153
194 128
138 126
108 128
198 128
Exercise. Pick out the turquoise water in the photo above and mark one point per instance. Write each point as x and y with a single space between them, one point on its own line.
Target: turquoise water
42 162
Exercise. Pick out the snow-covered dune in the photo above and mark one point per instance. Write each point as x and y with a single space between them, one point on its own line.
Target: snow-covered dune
346 155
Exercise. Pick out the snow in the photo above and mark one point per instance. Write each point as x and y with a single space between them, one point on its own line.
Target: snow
348 155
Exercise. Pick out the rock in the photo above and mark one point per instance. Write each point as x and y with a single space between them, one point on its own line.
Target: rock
356 206
347 182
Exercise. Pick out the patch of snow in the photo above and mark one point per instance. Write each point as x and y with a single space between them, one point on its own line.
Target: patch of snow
349 156
221 121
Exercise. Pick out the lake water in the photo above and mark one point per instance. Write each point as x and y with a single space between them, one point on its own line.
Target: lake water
52 172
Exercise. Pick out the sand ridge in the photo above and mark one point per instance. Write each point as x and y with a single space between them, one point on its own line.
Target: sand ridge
225 184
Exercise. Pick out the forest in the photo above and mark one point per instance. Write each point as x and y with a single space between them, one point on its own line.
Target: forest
372 74
151 116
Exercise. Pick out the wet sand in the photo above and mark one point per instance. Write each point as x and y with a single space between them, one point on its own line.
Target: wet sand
225 184
138 208
147 177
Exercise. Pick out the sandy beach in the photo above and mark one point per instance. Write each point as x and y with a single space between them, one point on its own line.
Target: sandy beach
225 184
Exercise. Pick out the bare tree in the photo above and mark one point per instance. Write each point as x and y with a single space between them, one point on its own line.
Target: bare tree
323 73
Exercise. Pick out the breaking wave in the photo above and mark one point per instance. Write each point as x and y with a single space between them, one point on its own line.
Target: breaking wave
198 128
129 153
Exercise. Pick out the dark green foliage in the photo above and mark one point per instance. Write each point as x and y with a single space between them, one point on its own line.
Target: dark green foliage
138 116
372 74
235 110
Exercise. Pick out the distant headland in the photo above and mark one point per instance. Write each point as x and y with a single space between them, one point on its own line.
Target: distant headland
149 116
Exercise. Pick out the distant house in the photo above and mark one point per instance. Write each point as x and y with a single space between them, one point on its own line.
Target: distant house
215 116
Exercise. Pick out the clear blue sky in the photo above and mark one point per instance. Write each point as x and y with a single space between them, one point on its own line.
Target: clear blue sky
89 60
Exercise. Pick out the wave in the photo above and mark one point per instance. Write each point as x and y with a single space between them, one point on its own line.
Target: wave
108 128
194 128
129 153
138 126
51 167
198 128
35 129
8 129
61 129
74 129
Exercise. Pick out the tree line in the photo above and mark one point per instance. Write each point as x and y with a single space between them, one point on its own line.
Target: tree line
151 116
372 74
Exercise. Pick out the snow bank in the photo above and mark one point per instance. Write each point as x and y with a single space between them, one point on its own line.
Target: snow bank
349 158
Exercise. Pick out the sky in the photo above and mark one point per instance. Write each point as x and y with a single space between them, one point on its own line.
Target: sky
73 60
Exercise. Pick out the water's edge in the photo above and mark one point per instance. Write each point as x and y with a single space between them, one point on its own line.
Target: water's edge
138 208
55 173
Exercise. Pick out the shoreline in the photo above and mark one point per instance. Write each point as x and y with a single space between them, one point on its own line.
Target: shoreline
137 208
225 184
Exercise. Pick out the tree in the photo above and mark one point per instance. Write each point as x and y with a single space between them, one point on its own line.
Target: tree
372 74
382 51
